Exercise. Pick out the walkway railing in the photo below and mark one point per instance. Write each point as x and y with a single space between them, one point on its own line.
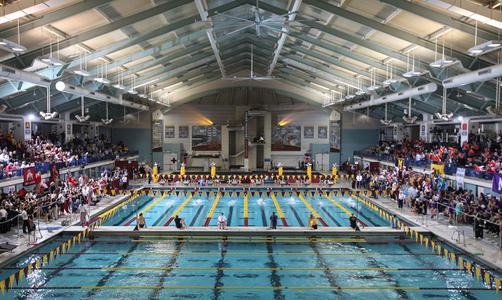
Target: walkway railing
449 169
44 168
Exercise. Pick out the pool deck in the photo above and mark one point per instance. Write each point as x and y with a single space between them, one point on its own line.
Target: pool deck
376 232
50 229
485 250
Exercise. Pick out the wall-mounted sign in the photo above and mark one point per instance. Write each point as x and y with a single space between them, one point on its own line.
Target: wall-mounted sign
169 132
287 138
308 132
206 138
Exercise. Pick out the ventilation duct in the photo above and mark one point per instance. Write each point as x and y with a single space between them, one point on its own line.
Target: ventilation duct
412 92
20 75
480 75
23 8
83 92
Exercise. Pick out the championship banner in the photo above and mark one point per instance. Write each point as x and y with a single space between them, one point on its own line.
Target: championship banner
29 176
437 168
460 175
497 183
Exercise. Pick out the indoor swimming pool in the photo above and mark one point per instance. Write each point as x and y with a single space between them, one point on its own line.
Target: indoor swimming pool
149 267
246 209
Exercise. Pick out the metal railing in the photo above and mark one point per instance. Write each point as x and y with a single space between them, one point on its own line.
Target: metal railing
44 168
450 169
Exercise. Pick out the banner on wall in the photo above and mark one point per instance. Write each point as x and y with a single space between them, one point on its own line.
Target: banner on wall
169 132
308 132
157 135
334 136
497 183
29 176
183 132
460 177
322 132
206 138
437 168
287 138
464 132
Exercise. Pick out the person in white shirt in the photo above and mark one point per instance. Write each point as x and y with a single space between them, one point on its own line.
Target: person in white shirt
83 215
222 221
24 217
359 179
3 218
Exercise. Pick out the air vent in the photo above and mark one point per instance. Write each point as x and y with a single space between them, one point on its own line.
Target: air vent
92 93
46 80
400 93
448 81
421 88
108 97
488 71
384 98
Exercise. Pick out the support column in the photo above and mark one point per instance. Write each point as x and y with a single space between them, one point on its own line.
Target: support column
267 135
246 142
425 128
17 129
225 148
397 134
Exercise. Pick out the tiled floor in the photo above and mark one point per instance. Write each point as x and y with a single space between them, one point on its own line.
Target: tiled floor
47 229
486 250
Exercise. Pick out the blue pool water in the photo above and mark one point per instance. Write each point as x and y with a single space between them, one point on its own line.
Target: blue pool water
244 268
159 210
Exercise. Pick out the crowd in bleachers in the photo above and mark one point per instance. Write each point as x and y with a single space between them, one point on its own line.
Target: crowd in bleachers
431 196
56 198
42 151
480 153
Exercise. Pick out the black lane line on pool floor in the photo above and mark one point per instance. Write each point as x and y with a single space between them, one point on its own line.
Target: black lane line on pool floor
466 294
230 213
109 274
372 262
331 216
297 216
323 264
263 217
275 278
170 264
220 273
166 213
53 274
128 217
196 215
360 213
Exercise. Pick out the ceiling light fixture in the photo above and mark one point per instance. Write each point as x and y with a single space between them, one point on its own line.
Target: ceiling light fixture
83 67
485 47
103 71
11 46
411 73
